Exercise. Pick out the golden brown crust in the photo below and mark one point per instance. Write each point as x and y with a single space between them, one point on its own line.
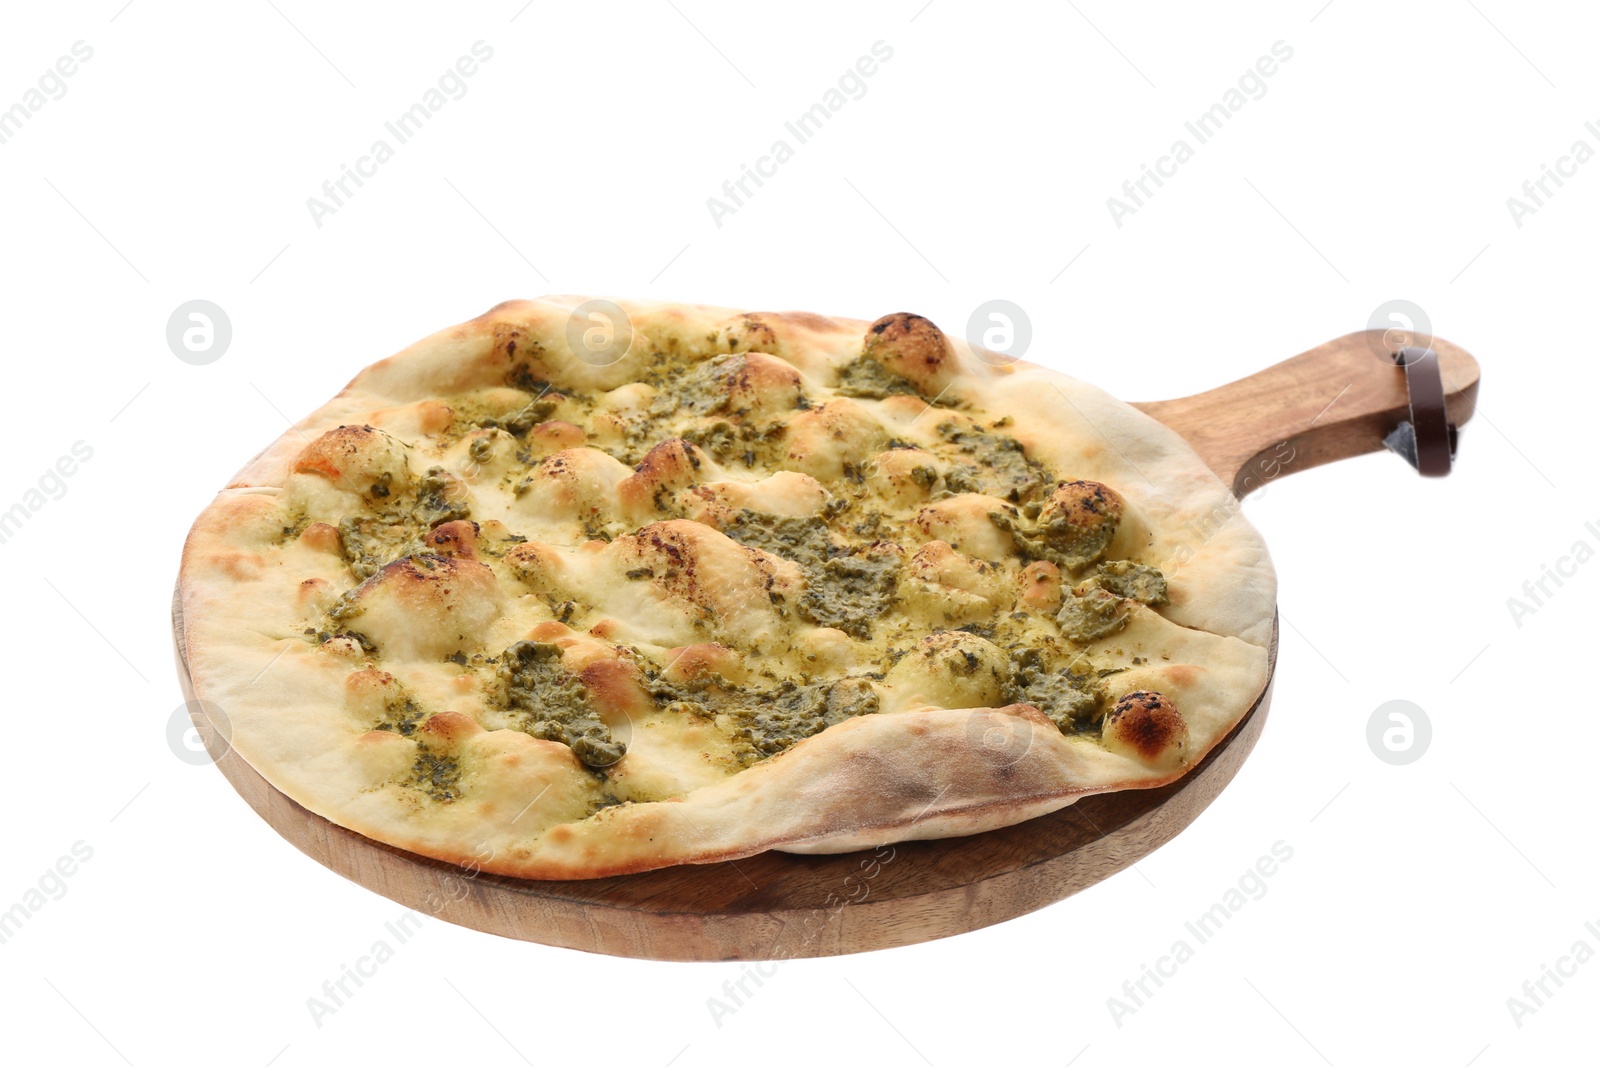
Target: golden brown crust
496 489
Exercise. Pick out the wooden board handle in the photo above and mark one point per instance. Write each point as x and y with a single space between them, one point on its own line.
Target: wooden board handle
1338 400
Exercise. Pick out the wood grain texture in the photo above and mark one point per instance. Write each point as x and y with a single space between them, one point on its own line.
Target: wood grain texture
1335 401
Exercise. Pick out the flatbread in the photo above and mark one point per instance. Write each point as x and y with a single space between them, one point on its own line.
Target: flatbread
717 583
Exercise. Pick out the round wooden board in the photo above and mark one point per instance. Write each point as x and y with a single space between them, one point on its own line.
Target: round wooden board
774 905
1337 400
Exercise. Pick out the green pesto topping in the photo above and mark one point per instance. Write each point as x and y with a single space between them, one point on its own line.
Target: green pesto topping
745 443
805 541
866 377
597 530
541 404
525 418
521 375
604 801
401 714
294 529
368 645
764 722
1091 612
846 588
553 704
700 390
369 543
867 523
1134 581
998 467
346 607
850 591
1068 544
439 776
1070 699
438 499
720 440
481 449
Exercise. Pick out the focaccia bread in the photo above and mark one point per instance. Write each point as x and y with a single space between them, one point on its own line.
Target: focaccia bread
751 581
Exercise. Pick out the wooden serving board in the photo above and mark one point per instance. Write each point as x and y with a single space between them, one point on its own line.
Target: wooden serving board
1335 401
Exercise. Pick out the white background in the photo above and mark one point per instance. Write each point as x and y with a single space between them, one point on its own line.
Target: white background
1377 165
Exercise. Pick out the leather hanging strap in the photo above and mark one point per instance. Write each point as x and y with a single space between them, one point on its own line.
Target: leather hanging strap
1428 439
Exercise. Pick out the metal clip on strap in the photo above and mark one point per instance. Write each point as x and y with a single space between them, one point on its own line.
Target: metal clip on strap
1428 439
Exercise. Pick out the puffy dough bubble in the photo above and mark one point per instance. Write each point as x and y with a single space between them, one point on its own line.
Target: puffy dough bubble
903 476
360 459
839 436
457 538
727 587
672 465
912 347
574 483
963 521
538 566
789 494
553 435
763 385
950 669
424 607
748 333
1079 521
1039 587
944 586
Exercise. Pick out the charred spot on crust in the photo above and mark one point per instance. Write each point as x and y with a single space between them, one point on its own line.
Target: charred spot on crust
909 339
1145 722
507 338
458 538
669 544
